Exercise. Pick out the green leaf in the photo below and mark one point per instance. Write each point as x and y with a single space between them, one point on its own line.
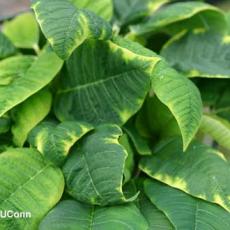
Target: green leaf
156 119
73 215
218 128
6 47
141 144
113 77
154 216
193 54
143 120
23 77
66 27
129 162
5 123
28 184
95 169
183 15
182 98
23 31
13 67
227 14
184 211
103 8
28 114
127 11
200 171
55 141
161 120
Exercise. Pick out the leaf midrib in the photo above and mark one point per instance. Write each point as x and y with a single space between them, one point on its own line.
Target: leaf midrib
91 178
98 82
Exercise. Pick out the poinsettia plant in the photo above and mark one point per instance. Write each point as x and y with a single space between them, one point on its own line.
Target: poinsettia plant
115 115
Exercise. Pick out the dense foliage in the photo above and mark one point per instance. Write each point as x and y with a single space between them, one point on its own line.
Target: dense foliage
116 115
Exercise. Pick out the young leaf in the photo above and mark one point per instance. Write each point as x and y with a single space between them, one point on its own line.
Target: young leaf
66 27
218 128
127 11
5 123
201 171
106 82
129 162
141 144
6 47
183 15
156 120
28 184
73 215
182 98
25 77
184 211
28 114
95 169
103 8
55 141
23 31
193 54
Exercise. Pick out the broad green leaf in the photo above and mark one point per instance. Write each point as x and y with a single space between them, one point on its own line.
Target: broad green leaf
6 47
67 27
28 114
129 11
95 168
194 54
154 216
54 141
184 211
183 15
105 82
218 128
141 144
200 171
22 76
73 215
23 31
181 97
28 184
13 67
103 8
129 162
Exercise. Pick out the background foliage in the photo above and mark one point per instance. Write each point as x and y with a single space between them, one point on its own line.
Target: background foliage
116 115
